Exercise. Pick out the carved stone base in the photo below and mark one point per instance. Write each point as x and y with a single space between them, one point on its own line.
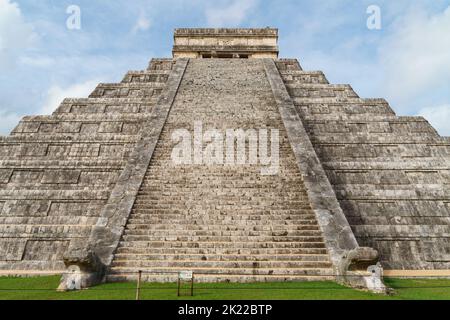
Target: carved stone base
360 269
83 270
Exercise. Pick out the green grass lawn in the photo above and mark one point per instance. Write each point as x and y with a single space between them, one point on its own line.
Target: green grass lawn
44 288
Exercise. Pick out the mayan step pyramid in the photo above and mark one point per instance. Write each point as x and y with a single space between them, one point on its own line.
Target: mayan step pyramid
92 191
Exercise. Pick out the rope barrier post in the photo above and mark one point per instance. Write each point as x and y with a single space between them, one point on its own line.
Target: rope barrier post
192 285
184 277
138 288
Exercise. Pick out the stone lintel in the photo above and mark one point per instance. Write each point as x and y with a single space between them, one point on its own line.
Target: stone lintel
226 43
233 32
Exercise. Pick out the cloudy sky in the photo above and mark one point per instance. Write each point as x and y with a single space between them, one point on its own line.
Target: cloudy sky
407 61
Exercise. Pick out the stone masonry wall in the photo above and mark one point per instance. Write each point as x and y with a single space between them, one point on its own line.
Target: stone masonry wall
57 172
391 174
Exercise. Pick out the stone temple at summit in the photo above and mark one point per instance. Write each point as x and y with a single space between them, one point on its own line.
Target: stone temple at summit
91 192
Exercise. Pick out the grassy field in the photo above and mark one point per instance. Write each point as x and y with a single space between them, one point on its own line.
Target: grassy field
43 288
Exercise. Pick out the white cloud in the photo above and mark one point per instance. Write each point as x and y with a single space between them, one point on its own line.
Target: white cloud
37 61
416 56
439 117
15 34
232 15
142 24
8 121
56 94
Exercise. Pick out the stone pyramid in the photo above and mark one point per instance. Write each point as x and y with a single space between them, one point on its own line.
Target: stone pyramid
92 192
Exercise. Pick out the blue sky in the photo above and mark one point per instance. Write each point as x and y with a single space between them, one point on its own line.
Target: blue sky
407 61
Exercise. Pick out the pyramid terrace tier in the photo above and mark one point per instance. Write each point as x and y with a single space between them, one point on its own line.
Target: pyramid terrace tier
390 174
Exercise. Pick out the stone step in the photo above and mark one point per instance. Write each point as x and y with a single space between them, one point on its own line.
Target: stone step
218 202
226 223
221 233
203 225
248 252
214 206
221 257
231 271
133 225
223 238
225 201
218 186
173 277
149 245
276 264
169 196
36 265
148 216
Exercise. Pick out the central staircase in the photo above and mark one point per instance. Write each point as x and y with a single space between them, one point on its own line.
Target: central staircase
224 223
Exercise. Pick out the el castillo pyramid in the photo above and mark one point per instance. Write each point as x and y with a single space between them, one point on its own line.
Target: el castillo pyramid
91 192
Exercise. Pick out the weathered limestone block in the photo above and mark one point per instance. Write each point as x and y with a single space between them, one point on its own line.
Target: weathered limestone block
61 177
352 108
161 64
84 150
146 76
5 175
288 65
11 249
99 106
131 128
85 108
75 209
26 208
109 151
44 250
26 176
26 127
64 127
106 178
311 77
111 127
127 90
32 149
